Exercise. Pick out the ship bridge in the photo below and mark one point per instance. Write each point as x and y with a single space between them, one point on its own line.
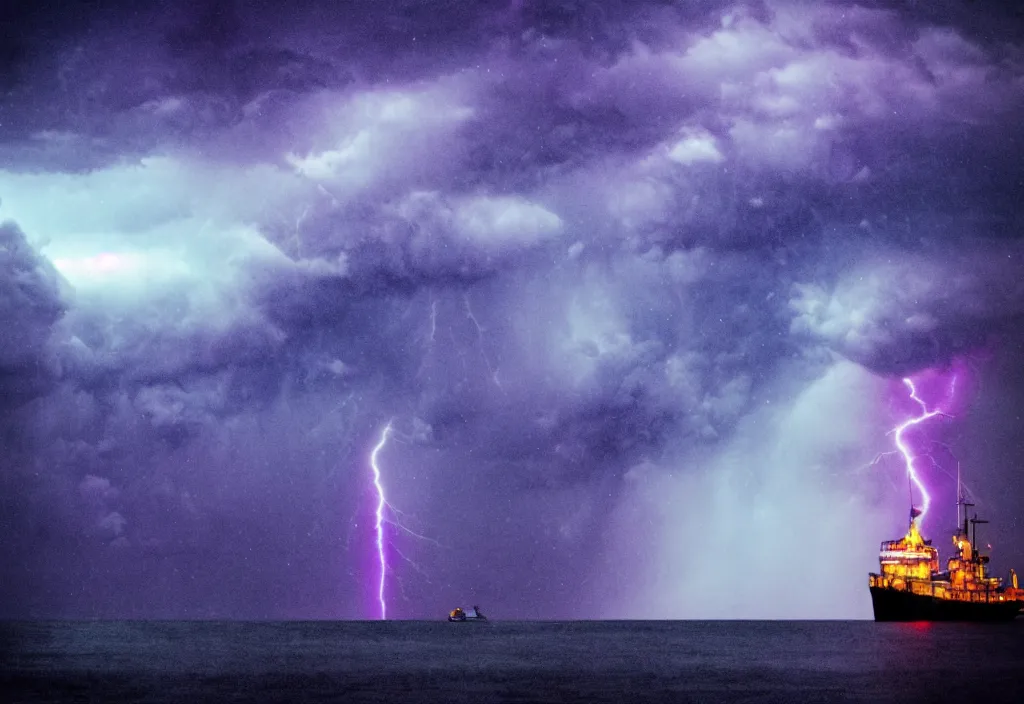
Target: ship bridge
911 557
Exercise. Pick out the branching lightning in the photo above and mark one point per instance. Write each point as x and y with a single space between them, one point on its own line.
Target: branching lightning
386 514
905 450
480 339
479 330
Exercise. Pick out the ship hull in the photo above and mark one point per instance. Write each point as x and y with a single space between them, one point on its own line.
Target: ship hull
898 605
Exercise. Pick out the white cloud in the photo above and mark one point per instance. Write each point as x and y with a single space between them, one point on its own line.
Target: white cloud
695 147
97 489
596 332
496 222
373 137
781 87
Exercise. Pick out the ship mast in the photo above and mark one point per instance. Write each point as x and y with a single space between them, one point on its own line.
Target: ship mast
960 500
958 496
914 513
969 530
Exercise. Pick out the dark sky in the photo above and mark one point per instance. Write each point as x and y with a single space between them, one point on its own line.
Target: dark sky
635 284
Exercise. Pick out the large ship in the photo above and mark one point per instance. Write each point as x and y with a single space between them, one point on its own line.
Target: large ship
910 586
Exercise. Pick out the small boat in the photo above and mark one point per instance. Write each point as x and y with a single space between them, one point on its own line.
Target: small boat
471 614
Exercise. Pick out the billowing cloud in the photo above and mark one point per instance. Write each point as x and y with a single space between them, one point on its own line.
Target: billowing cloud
31 302
617 275
897 315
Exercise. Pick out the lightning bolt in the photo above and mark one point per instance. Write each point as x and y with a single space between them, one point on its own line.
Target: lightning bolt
382 504
904 449
433 321
908 455
386 514
480 339
297 236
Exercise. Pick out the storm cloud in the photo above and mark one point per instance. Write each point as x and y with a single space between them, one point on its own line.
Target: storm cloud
634 283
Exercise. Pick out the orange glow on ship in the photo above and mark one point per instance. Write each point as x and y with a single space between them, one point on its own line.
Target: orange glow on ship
910 587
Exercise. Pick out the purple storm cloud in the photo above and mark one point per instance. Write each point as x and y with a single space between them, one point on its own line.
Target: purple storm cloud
637 282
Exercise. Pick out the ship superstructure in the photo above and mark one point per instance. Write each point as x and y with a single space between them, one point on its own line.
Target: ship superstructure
910 587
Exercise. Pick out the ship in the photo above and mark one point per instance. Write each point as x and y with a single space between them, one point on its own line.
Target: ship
473 613
910 587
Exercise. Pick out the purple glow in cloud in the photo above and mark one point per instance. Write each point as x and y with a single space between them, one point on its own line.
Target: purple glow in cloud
382 504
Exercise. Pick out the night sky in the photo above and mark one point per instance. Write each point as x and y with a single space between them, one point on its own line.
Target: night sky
635 284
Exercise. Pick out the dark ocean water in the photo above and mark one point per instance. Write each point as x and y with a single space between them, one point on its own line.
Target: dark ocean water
588 661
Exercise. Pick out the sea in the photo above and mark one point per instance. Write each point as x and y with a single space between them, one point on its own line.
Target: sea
498 661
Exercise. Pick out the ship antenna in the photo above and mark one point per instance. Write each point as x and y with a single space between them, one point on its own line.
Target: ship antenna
910 490
959 496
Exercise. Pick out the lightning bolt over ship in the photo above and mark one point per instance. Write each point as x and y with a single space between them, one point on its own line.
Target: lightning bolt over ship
909 585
